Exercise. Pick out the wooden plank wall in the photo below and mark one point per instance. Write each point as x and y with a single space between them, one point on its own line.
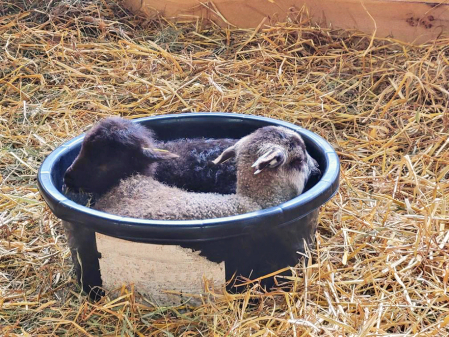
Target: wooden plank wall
414 21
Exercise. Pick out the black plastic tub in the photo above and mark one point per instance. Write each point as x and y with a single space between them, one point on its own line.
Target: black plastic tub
252 245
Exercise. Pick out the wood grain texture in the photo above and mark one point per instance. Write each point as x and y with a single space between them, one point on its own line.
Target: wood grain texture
155 269
415 21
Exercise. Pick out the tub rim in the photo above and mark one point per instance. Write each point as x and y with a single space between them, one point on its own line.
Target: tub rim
188 230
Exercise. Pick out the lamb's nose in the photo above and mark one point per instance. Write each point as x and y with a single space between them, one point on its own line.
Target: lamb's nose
68 178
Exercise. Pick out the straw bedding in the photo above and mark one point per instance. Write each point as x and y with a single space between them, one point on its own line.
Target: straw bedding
381 262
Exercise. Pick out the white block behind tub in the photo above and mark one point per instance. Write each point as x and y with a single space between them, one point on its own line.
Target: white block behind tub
154 268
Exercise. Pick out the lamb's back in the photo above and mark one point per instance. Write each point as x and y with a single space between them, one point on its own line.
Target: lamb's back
143 197
194 170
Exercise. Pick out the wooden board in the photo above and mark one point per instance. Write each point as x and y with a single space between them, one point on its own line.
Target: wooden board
411 21
156 270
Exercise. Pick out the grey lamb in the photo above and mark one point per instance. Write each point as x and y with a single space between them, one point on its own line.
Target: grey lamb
273 167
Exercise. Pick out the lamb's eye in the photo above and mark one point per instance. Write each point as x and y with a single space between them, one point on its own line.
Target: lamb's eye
296 163
281 135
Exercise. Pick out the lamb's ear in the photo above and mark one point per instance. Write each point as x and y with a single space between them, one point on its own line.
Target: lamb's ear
273 157
227 154
158 154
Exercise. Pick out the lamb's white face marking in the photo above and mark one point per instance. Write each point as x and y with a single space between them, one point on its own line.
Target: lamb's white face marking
297 180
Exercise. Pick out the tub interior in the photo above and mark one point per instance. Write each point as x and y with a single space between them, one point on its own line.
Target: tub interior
187 127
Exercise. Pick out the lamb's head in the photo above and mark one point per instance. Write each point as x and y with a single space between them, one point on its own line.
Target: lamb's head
273 165
113 149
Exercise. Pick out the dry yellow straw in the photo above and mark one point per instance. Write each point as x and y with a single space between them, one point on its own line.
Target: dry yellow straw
381 262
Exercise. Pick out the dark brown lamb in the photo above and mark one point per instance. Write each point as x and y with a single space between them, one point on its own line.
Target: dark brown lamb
116 148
